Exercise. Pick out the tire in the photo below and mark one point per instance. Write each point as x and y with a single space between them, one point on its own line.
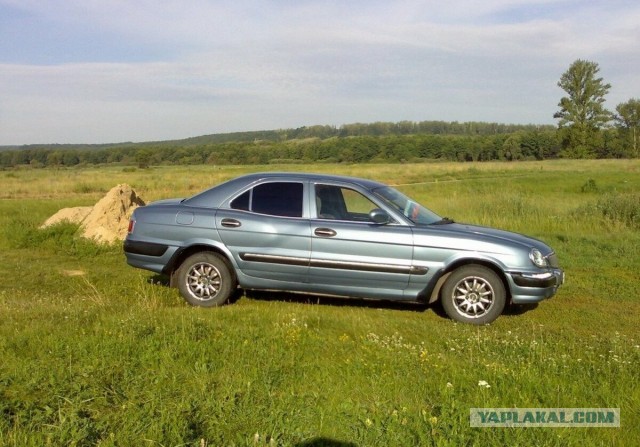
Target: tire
205 280
473 294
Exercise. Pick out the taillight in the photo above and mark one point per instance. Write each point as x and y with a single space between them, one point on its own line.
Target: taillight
132 223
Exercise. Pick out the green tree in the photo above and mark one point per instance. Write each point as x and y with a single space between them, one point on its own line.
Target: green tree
512 148
70 158
582 114
20 157
54 158
628 122
142 157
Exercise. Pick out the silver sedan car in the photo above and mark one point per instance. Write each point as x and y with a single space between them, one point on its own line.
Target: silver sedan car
337 236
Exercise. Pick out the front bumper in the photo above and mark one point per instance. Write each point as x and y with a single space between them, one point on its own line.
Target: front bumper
544 280
527 287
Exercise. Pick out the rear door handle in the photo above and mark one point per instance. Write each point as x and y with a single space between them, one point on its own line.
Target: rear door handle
230 223
325 232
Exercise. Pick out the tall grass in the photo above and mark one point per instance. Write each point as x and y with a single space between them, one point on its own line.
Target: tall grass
621 208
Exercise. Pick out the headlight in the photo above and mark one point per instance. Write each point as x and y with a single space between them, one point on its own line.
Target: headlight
536 257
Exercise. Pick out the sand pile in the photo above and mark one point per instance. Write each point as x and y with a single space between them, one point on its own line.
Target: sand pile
105 222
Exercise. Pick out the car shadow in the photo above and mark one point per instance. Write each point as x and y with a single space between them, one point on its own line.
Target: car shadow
261 295
519 309
324 442
162 280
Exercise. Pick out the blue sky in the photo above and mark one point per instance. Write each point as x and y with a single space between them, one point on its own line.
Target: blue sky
98 71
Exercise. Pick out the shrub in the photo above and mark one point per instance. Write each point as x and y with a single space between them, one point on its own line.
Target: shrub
621 208
589 186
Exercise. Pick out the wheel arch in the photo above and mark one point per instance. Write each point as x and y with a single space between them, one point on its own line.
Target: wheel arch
182 254
434 294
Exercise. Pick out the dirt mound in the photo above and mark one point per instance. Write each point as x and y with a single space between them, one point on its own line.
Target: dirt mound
73 215
105 222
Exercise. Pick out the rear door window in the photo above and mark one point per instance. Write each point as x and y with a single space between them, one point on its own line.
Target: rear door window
274 199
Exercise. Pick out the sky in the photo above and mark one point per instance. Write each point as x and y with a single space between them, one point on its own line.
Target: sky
109 71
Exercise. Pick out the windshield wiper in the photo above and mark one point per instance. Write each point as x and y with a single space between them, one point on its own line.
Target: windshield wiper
444 221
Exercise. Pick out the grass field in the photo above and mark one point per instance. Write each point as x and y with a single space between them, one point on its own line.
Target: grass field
93 352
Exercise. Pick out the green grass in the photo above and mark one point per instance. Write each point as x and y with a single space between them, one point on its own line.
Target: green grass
94 352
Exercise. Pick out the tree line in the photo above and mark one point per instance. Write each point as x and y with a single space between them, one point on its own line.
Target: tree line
586 129
534 144
349 143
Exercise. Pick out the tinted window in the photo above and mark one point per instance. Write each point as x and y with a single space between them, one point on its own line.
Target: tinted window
277 199
241 202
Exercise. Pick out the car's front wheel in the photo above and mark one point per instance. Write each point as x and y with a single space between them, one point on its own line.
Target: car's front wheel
206 280
473 294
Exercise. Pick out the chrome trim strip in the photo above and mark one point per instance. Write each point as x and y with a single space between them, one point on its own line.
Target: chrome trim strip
540 280
275 259
330 264
361 266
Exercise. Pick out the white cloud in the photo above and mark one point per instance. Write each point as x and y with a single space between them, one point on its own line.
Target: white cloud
215 66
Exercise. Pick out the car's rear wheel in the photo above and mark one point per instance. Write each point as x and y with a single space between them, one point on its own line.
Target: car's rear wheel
206 280
473 294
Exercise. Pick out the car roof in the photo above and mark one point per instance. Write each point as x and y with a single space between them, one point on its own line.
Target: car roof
314 177
216 195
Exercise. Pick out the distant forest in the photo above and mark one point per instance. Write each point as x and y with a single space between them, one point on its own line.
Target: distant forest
404 141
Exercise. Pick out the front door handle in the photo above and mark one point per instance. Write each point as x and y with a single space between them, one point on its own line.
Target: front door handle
230 223
325 232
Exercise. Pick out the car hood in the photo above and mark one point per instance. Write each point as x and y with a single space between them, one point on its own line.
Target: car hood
477 238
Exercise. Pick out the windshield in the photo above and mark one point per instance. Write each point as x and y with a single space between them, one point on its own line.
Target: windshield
415 212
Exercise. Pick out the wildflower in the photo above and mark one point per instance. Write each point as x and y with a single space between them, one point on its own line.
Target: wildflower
484 383
368 422
449 385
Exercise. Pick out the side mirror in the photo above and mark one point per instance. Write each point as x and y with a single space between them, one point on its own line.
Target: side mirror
379 216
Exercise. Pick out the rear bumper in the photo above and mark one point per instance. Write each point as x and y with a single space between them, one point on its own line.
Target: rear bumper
144 248
148 255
